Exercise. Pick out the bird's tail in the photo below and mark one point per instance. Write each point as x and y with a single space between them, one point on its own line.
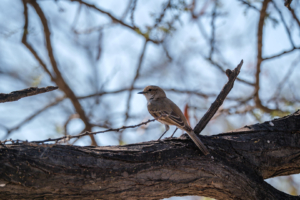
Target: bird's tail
198 142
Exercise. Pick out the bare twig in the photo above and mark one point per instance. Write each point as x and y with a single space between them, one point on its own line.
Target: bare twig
126 10
29 47
16 95
295 16
282 53
249 5
232 75
137 74
259 60
185 91
59 80
220 68
116 20
213 30
158 20
132 12
276 94
284 23
86 133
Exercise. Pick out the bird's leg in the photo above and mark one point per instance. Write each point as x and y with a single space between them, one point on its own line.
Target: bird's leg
174 132
167 128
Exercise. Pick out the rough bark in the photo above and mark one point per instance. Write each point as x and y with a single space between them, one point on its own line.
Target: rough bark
240 160
16 95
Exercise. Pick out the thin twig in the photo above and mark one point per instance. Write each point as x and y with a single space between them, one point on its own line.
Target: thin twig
137 74
213 30
158 20
126 10
282 53
284 24
232 75
191 92
86 133
295 16
116 20
29 47
249 5
220 68
132 12
16 95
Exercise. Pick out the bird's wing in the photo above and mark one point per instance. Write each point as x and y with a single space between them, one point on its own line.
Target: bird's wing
168 112
177 119
169 117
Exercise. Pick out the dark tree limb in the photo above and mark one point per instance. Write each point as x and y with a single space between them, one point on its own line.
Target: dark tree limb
232 75
240 161
16 95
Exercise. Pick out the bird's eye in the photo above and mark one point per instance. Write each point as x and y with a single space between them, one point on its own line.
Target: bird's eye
149 90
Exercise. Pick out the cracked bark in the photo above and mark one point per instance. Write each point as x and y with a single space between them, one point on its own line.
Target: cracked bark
240 160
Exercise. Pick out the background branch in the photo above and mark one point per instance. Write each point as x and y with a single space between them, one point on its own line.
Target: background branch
16 95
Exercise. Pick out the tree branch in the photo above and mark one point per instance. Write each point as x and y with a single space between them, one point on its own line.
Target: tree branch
263 13
16 95
232 75
116 20
59 80
239 162
282 53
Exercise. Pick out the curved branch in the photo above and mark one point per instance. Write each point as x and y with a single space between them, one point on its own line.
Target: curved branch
59 80
263 14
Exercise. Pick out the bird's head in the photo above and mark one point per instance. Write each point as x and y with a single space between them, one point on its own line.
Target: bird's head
153 92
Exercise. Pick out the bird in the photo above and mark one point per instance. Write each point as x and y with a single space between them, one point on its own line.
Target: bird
168 113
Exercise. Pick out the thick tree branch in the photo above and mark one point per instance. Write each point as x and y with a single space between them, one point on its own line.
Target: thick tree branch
16 95
239 162
232 75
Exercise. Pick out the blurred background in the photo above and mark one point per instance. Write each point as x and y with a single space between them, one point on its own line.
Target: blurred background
101 53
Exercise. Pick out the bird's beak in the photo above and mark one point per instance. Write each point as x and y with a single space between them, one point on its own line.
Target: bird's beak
142 92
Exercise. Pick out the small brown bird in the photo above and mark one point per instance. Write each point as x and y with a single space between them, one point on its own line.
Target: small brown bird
168 113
